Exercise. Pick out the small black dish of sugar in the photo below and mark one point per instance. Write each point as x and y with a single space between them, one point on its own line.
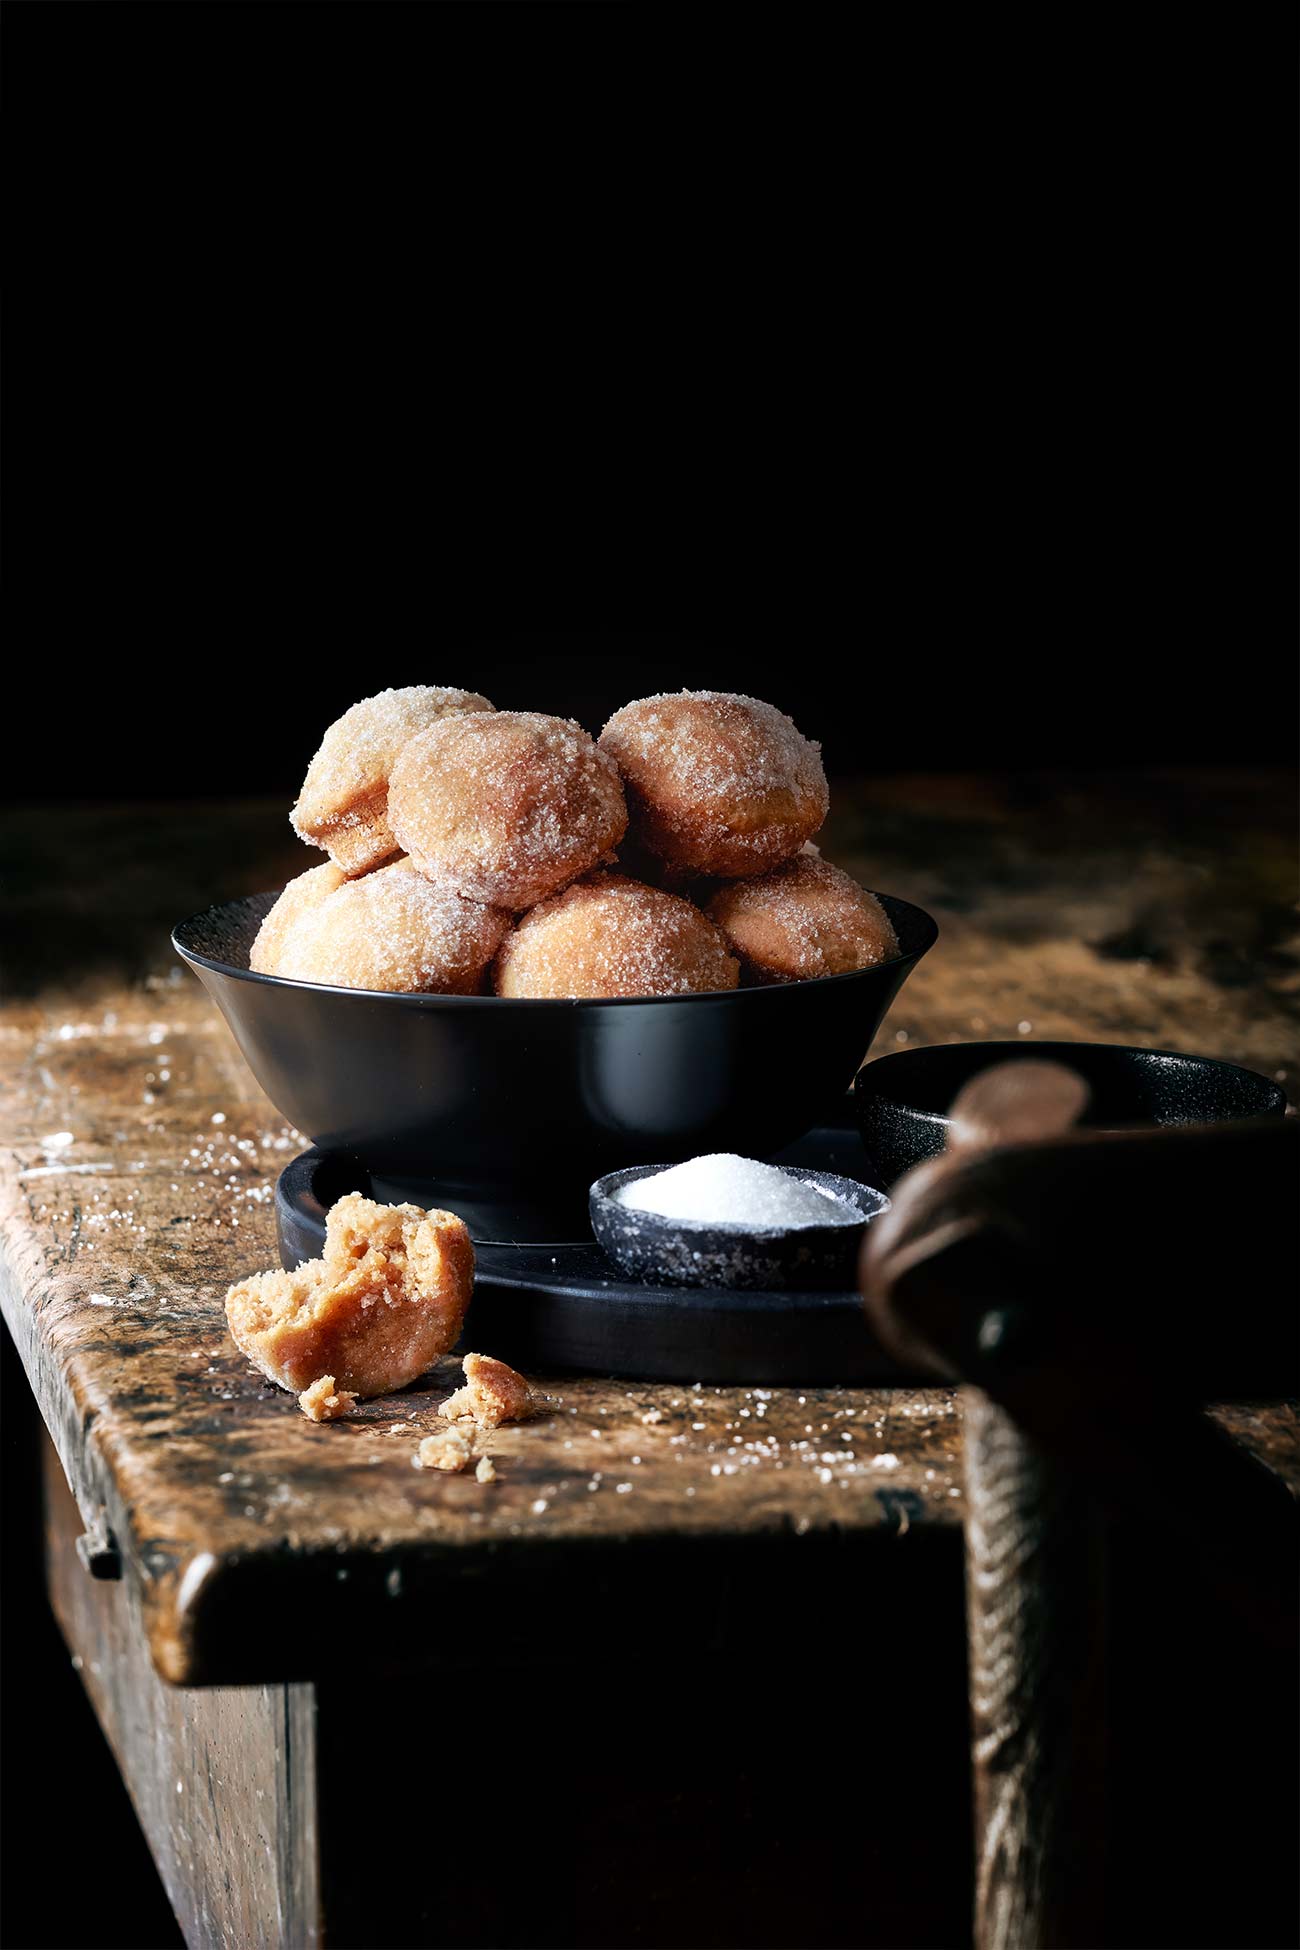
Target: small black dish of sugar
727 1221
725 1190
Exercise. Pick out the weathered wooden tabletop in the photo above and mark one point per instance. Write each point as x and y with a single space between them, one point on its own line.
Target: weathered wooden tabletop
138 1160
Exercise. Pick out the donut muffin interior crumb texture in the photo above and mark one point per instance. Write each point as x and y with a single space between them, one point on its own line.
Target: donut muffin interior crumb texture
325 1401
493 1393
447 1449
703 802
384 1301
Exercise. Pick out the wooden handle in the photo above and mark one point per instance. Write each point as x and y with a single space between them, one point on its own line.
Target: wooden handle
1033 1553
1095 1289
1162 1264
1015 1103
930 1253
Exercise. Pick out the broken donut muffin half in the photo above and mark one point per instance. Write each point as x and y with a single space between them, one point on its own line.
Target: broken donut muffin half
385 1300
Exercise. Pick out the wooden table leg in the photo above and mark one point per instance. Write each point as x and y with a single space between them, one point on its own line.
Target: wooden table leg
571 1779
223 1780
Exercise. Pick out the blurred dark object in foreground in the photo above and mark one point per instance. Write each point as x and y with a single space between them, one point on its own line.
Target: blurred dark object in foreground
1061 1275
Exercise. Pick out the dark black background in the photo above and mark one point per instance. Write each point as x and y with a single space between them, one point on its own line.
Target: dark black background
247 724
924 375
932 385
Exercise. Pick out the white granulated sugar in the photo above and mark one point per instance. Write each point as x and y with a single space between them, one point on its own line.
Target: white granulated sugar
723 1189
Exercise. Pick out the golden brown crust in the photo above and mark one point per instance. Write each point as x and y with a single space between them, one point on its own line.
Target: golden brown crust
393 930
343 805
493 1393
717 783
507 807
304 893
610 936
803 920
377 1309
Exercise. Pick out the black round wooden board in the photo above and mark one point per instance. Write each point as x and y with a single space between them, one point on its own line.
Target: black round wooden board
565 1308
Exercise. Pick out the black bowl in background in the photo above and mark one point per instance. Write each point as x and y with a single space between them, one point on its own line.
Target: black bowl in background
690 1252
902 1100
506 1110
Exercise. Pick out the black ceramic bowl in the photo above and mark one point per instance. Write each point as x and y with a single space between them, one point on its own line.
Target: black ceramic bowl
691 1252
507 1110
902 1100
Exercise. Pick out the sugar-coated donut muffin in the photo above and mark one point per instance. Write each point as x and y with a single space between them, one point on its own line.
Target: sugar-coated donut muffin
506 807
343 805
305 892
717 784
803 919
386 1298
608 936
395 930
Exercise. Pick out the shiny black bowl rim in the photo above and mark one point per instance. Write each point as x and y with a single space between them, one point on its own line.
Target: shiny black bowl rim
1050 1050
423 998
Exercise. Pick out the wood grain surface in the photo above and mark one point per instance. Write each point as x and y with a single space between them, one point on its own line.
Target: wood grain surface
224 1780
138 1159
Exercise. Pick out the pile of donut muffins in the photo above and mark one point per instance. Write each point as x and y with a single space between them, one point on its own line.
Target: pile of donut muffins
474 851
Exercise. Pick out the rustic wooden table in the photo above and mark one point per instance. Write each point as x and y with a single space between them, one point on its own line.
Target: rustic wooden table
261 1608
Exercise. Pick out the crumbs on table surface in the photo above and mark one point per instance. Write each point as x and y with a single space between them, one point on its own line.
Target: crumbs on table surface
447 1449
708 1434
324 1401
